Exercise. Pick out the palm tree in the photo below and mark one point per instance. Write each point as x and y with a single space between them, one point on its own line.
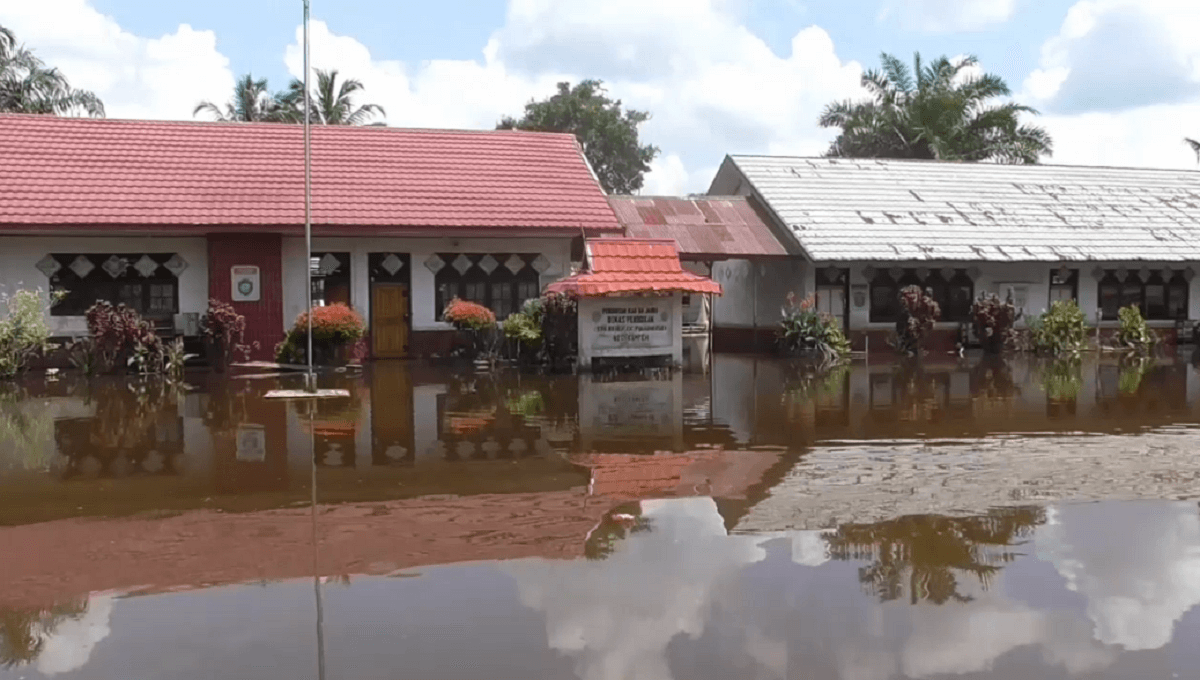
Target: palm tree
934 111
251 103
27 86
332 104
1195 146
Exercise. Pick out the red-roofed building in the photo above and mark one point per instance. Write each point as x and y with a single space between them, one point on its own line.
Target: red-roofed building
159 214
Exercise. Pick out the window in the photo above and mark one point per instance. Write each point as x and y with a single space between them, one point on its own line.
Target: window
1064 285
831 293
1161 296
330 279
144 282
953 289
487 279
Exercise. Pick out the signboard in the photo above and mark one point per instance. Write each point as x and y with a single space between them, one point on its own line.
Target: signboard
244 283
641 323
251 443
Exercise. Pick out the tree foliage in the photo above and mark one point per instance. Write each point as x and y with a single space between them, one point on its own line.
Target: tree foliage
27 85
607 133
252 102
936 111
332 102
1195 145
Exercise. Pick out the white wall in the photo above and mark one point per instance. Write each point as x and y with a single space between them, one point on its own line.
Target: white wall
774 279
20 254
557 250
995 277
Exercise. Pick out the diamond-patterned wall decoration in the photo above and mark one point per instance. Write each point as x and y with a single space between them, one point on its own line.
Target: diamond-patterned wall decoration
947 273
514 263
1167 274
541 263
391 264
488 264
82 266
329 264
146 266
434 263
176 265
48 266
462 263
115 266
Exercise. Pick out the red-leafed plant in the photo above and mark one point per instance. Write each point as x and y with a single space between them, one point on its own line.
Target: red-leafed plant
465 315
224 331
994 320
120 337
333 328
921 311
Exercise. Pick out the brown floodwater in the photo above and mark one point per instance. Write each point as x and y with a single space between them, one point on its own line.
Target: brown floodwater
966 519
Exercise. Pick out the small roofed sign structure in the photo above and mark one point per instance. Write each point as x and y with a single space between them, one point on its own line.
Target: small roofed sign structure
631 300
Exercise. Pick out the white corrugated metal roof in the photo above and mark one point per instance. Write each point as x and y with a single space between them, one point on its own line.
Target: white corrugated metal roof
874 209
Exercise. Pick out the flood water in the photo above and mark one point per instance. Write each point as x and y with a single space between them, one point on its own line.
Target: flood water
968 519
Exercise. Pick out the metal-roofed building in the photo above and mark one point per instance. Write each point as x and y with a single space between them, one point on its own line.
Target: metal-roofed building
864 228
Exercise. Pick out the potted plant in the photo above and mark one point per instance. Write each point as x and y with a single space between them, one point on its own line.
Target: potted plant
478 325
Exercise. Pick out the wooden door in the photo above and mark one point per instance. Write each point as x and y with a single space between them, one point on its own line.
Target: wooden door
389 320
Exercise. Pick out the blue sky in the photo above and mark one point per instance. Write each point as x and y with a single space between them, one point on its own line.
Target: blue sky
1118 81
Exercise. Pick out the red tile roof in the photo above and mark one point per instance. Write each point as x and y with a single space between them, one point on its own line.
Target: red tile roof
714 227
622 266
149 174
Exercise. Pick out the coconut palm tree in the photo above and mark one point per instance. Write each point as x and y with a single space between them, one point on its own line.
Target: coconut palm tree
935 111
1195 146
252 102
332 103
28 86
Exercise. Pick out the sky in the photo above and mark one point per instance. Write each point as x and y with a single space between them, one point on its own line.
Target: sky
1117 82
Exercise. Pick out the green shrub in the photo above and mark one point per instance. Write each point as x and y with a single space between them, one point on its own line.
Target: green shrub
1132 332
24 333
805 331
1062 330
1062 378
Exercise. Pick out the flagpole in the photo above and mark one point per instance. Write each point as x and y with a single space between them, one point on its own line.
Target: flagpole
310 382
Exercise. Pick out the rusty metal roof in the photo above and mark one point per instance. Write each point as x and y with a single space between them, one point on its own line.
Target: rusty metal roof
873 209
711 228
624 266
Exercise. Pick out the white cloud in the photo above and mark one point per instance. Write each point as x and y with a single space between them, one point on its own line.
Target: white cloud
948 16
1112 55
70 644
615 617
135 76
1120 83
1138 565
711 85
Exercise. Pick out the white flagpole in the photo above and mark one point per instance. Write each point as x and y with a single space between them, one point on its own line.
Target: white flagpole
310 380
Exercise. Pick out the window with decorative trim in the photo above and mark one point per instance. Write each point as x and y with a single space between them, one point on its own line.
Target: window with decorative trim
1160 295
502 282
330 279
953 289
145 282
1064 285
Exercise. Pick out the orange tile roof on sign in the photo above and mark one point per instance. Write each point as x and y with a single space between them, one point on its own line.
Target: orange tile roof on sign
624 266
148 175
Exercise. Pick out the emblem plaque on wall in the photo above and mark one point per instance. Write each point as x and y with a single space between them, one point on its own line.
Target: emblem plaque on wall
245 283
858 295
